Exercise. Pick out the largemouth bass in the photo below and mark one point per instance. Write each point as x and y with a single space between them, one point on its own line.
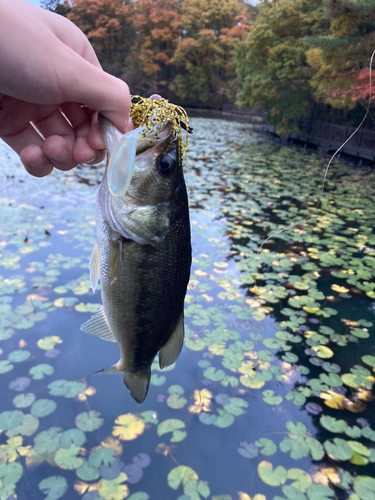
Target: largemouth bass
142 255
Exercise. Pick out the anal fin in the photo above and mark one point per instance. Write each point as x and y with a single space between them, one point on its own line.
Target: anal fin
172 348
94 266
137 383
98 325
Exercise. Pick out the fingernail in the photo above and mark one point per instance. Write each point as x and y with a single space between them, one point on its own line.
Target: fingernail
93 161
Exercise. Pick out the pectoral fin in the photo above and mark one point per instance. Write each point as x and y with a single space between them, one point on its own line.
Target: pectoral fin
94 266
172 348
137 383
98 325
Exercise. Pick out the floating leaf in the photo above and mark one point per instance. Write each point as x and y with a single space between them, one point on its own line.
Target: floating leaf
88 472
43 407
101 455
175 427
24 400
323 351
129 427
5 366
67 458
271 476
180 475
269 398
88 421
19 356
332 424
29 424
47 441
268 447
38 372
10 419
338 449
319 492
113 490
72 436
54 487
48 343
364 486
248 450
134 473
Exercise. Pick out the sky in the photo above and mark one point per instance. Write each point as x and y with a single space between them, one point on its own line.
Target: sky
34 2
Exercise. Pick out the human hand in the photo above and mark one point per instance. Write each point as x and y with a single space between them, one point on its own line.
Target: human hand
48 67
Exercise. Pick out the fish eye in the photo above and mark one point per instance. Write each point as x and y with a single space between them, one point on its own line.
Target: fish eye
165 164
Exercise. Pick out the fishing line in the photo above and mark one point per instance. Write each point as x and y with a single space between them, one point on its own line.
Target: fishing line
327 168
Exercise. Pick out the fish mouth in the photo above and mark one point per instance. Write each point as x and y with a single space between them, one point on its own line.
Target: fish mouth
121 160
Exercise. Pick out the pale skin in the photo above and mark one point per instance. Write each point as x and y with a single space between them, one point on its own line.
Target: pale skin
48 67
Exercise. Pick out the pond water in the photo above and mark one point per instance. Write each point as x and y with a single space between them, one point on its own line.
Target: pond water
272 396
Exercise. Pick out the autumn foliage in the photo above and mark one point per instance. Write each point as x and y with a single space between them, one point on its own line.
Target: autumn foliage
294 58
183 50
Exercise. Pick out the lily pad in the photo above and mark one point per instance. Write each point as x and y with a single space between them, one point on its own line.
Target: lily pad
24 400
129 427
174 426
40 371
88 421
271 476
54 486
43 407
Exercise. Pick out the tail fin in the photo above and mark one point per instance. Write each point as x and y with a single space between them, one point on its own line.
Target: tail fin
137 383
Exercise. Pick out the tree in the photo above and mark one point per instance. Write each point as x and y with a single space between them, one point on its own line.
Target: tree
271 62
158 28
204 56
341 57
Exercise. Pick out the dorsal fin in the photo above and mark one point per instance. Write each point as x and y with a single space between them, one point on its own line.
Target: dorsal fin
172 348
98 325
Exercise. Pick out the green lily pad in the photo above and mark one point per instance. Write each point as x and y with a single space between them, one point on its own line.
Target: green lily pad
332 424
271 476
157 379
87 472
29 424
68 389
369 360
47 441
19 356
89 421
364 486
24 400
319 492
43 407
5 366
268 447
38 372
72 436
67 458
10 419
270 399
174 426
224 419
54 486
338 449
10 473
297 447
